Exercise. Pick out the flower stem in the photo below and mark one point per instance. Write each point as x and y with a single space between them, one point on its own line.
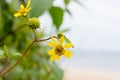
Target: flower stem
23 2
24 53
3 68
19 60
45 39
35 35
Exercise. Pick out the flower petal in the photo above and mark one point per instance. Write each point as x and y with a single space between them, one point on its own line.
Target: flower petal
22 7
53 40
57 57
28 4
68 45
67 54
61 40
27 10
17 14
25 14
51 44
51 52
52 58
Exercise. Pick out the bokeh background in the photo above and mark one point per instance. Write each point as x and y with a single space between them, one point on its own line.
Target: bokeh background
95 33
93 26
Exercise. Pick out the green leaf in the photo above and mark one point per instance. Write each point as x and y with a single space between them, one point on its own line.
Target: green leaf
39 6
57 16
68 41
2 57
65 30
2 54
5 51
17 54
1 79
66 2
60 34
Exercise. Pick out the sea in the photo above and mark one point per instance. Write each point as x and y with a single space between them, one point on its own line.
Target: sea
102 60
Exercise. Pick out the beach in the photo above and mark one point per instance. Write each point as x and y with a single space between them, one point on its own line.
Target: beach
88 65
89 74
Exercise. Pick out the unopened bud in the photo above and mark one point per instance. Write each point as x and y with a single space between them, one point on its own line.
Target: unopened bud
34 23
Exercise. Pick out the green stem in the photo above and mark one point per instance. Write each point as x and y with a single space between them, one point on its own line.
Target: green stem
23 2
4 66
45 39
23 55
19 60
35 35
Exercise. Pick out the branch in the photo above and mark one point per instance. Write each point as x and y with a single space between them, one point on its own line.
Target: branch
23 55
19 60
23 2
41 40
4 67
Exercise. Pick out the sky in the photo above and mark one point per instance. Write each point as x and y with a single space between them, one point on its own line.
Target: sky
95 27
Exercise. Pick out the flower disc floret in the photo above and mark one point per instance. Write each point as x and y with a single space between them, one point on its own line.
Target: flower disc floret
59 49
34 23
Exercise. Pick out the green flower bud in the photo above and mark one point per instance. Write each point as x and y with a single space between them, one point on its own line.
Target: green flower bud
34 23
59 35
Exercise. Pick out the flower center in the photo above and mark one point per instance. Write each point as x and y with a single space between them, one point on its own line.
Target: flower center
59 50
22 11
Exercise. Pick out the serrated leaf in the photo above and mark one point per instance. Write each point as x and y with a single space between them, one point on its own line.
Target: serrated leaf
57 16
39 6
66 2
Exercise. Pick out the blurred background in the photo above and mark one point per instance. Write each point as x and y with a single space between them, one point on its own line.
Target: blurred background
95 33
93 26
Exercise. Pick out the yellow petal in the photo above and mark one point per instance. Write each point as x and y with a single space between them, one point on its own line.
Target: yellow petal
25 14
52 58
27 10
53 40
17 14
51 44
61 40
68 45
21 7
28 4
67 54
57 57
51 52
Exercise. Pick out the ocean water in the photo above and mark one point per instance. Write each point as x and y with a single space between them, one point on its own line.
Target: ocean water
102 60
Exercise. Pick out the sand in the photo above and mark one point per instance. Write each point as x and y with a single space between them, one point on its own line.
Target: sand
89 74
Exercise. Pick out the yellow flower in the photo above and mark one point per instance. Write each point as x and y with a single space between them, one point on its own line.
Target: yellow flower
23 10
59 49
